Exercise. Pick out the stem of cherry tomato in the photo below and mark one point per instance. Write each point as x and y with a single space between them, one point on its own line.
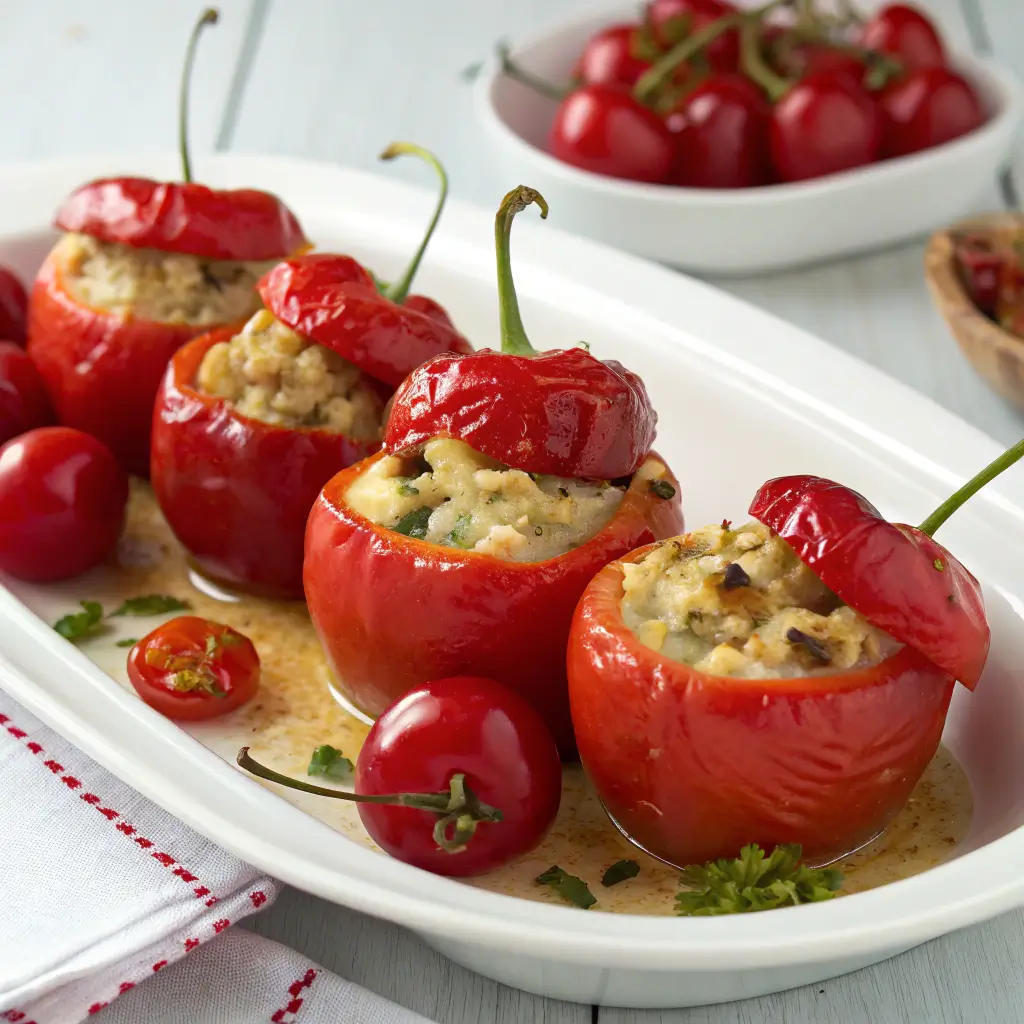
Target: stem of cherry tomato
458 811
398 291
208 17
975 484
539 85
513 334
756 68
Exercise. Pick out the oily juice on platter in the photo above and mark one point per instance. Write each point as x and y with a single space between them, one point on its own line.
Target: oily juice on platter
293 713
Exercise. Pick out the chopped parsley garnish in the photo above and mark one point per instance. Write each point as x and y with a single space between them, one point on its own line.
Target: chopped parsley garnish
939 566
128 641
662 489
620 871
569 887
151 604
330 761
414 524
407 490
82 625
754 882
457 535
563 491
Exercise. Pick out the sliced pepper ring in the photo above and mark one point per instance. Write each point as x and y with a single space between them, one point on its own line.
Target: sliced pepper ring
898 578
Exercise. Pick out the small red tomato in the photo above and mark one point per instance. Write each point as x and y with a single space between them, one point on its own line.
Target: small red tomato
904 32
824 124
470 726
602 129
13 307
610 58
62 504
190 669
981 269
926 108
672 20
24 403
818 58
721 135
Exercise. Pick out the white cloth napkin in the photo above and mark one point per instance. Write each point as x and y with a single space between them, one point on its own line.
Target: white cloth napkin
101 890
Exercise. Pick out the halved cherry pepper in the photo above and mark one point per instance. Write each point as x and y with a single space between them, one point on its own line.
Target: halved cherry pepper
393 610
102 366
693 766
237 490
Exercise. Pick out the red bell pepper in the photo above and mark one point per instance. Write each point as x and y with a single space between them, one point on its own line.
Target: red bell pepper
336 302
563 413
696 766
102 369
237 491
393 611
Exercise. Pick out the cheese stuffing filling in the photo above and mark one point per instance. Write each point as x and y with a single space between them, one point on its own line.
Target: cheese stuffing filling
457 497
166 287
270 373
741 603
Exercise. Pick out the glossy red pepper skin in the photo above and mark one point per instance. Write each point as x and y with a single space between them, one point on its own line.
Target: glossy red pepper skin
101 370
393 612
562 412
333 300
697 766
185 217
898 578
236 491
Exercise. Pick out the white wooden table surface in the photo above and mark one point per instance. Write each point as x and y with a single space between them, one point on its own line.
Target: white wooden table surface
336 80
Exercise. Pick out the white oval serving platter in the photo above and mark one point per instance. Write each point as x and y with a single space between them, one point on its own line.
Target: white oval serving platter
742 397
749 230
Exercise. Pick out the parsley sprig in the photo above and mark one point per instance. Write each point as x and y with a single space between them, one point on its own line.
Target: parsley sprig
754 881
91 621
572 889
331 762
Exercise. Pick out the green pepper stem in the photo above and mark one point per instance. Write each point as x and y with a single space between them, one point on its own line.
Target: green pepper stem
513 334
208 17
399 290
459 810
975 484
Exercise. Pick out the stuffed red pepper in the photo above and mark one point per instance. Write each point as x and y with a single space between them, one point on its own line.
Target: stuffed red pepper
783 682
507 480
143 267
250 423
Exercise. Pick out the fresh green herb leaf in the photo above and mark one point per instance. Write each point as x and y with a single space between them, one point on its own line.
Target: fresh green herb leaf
414 524
151 604
128 641
620 871
457 536
82 625
407 490
939 565
662 489
569 887
754 882
330 761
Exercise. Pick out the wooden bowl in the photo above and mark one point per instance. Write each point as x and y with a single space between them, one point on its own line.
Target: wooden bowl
996 354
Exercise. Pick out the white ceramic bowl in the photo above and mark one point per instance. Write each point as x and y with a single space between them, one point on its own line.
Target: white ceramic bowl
741 231
742 396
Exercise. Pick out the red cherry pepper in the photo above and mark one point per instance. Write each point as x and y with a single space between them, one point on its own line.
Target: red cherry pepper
694 766
926 108
102 369
896 576
563 412
906 33
336 302
393 611
237 491
458 777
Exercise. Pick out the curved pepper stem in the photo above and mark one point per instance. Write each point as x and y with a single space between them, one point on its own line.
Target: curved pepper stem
399 290
208 17
513 334
458 810
975 484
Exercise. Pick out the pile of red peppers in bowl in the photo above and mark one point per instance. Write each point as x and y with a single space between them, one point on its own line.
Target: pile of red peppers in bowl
491 548
705 94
